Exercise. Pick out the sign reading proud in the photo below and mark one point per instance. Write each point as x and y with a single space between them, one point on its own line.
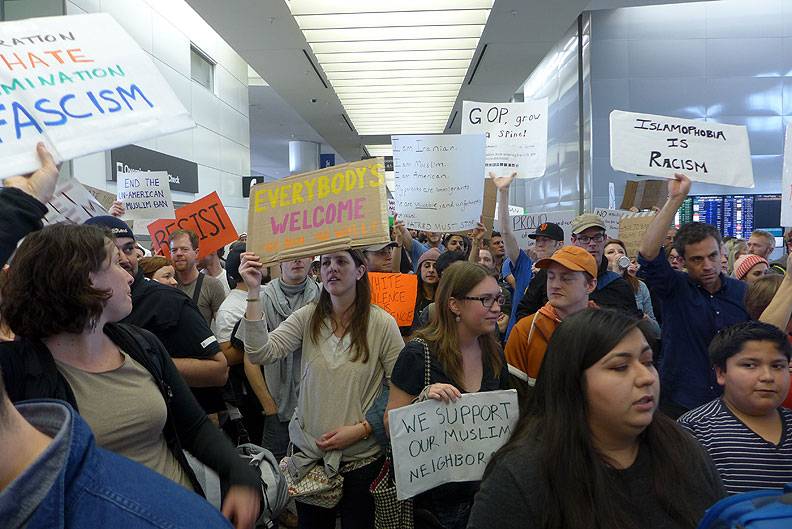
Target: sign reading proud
323 211
439 182
646 144
396 294
435 443
525 225
206 217
81 85
516 135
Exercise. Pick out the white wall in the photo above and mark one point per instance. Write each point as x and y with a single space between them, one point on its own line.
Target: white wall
220 143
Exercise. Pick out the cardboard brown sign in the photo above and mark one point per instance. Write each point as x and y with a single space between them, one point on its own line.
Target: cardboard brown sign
644 194
632 229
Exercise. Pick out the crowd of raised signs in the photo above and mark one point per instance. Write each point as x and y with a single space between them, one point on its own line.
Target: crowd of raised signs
650 386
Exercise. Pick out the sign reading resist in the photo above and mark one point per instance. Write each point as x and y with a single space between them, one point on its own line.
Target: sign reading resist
81 85
435 443
516 135
646 144
438 179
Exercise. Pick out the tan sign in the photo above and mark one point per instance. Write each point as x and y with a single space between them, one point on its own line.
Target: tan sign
323 211
632 229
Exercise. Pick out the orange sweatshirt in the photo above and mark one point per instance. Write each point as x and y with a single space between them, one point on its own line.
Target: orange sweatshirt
528 340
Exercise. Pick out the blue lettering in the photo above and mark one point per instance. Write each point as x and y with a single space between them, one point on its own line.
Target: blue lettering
133 89
105 94
18 124
69 97
40 107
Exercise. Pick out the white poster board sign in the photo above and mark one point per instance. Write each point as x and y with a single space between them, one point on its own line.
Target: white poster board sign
516 135
786 184
73 203
438 180
647 144
435 443
81 85
612 218
524 225
513 210
146 195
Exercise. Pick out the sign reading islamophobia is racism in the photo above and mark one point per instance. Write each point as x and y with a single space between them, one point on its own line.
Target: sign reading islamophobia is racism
80 84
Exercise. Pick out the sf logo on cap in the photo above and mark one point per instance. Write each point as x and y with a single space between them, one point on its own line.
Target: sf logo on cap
542 227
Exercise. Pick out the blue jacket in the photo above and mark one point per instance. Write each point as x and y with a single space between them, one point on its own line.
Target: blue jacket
75 484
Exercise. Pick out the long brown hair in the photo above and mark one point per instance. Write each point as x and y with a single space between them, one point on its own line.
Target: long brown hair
442 331
359 317
633 281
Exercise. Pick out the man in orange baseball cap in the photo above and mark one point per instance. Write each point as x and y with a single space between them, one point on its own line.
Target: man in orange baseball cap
571 277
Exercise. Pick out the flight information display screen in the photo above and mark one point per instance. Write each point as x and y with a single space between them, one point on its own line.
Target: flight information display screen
733 215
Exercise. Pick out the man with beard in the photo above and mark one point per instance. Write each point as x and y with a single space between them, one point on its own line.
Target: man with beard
175 320
205 290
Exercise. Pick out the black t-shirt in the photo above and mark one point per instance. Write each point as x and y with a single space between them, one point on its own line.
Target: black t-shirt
173 318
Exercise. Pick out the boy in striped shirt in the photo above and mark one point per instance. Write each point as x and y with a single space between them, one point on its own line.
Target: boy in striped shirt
746 432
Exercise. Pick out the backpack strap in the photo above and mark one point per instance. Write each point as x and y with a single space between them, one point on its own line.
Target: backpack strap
198 285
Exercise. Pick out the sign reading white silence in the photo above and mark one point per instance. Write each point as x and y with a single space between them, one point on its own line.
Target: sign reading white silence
516 135
786 184
146 195
646 144
525 225
435 443
81 85
439 181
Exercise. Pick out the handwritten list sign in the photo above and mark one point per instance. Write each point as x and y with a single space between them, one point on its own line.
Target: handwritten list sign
435 443
438 180
516 135
81 85
396 294
647 144
145 194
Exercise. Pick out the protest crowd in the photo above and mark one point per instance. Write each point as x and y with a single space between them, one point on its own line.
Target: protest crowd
430 363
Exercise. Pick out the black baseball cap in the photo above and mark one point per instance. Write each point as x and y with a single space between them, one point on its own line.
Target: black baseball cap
549 230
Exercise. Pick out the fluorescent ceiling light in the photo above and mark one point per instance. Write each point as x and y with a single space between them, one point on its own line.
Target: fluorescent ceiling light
380 149
396 66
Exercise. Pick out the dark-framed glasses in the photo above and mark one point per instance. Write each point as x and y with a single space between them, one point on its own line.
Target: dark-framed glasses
488 301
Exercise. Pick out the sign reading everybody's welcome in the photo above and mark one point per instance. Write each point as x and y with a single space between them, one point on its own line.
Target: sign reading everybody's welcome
81 85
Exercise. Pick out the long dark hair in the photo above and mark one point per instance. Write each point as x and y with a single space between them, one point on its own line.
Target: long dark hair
359 317
579 490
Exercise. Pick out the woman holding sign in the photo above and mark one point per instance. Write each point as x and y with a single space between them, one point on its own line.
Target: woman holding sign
590 452
464 356
348 346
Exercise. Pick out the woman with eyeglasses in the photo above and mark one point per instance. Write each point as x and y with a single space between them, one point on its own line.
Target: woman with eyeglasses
465 357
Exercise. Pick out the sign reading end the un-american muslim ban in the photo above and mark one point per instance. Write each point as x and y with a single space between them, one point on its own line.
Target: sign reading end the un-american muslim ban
81 85
439 181
705 151
516 135
435 443
146 195
323 211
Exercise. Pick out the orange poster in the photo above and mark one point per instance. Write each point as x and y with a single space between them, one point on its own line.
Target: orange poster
396 294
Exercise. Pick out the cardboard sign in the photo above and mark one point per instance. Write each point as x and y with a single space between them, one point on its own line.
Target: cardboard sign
612 218
490 206
786 184
632 228
705 151
516 135
644 194
435 443
438 179
146 195
73 203
81 85
323 211
396 294
524 225
105 198
206 217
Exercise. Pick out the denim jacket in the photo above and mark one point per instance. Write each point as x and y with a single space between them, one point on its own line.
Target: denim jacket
73 483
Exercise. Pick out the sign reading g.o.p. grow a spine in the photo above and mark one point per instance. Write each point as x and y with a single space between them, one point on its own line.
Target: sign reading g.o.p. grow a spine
81 85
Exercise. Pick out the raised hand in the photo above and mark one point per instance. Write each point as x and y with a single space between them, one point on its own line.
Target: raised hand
41 182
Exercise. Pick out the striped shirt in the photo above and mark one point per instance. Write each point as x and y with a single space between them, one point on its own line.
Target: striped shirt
744 459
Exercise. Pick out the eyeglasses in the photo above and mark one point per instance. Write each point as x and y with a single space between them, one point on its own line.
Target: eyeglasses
675 258
487 301
584 239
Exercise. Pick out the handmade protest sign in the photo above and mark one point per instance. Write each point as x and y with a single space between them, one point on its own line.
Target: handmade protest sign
105 198
396 294
81 85
323 211
206 217
516 135
632 228
73 203
438 179
786 184
513 211
611 217
145 194
435 443
647 144
524 225
644 194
